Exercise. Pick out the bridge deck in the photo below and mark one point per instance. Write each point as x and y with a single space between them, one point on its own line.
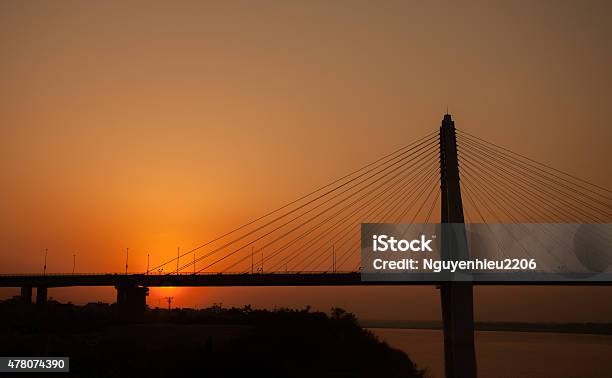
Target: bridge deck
209 279
228 279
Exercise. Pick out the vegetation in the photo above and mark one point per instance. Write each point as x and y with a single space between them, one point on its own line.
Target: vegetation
212 342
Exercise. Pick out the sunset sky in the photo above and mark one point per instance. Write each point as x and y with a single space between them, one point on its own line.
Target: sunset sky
152 125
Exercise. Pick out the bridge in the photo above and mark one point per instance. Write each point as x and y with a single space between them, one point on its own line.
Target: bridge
298 278
314 240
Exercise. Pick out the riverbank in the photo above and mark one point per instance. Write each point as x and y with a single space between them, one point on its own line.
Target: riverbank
576 328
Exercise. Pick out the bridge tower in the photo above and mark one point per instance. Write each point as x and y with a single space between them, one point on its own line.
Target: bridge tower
456 297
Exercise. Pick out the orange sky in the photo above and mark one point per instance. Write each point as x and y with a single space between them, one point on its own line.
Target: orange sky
155 125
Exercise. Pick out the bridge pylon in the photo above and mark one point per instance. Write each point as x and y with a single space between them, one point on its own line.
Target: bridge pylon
456 297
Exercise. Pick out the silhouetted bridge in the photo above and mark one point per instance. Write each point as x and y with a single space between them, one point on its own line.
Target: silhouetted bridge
232 279
183 280
315 239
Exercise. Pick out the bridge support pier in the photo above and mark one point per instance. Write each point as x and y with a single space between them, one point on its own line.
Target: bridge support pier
132 299
458 319
41 296
26 295
457 297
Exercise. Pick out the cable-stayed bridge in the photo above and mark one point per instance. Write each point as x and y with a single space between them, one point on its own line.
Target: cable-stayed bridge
319 232
446 176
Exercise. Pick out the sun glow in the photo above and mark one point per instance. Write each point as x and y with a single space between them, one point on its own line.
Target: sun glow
159 296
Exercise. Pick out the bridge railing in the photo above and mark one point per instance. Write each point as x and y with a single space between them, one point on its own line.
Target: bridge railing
172 274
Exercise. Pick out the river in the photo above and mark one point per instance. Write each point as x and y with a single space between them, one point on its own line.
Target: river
511 354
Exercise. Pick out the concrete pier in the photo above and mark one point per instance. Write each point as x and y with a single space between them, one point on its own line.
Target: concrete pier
41 296
26 295
132 299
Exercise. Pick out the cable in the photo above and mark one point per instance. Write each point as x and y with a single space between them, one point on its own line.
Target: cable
392 205
518 177
314 228
541 164
557 183
392 198
415 143
277 228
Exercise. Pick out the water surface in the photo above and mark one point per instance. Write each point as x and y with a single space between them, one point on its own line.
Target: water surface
512 354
